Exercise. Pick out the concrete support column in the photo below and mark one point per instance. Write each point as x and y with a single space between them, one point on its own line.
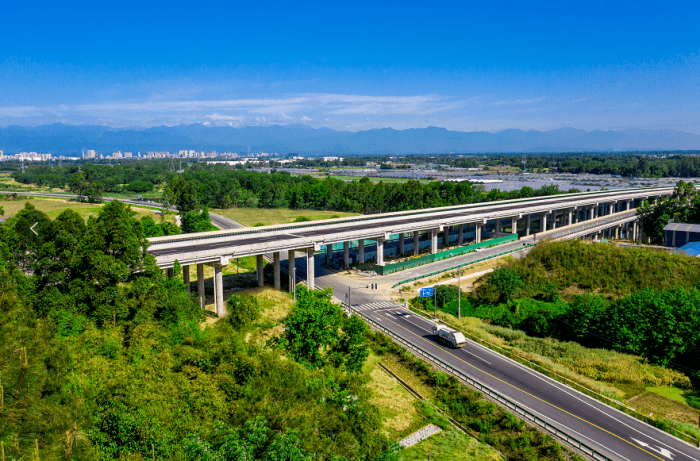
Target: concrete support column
346 254
170 272
276 262
186 277
527 226
576 216
513 225
543 222
291 261
259 264
310 268
571 217
617 232
380 252
433 241
634 231
361 251
402 238
446 236
200 285
219 308
629 204
416 243
612 208
554 220
460 234
477 235
498 226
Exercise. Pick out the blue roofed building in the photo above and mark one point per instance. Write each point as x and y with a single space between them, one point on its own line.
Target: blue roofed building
690 249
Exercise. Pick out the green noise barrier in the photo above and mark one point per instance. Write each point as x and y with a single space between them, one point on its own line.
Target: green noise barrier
427 259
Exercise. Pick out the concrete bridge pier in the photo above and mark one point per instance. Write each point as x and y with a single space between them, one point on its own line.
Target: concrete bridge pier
460 234
554 220
380 251
186 277
446 236
291 261
310 266
571 217
401 243
259 264
416 243
346 254
276 262
527 225
477 234
361 251
514 225
543 222
433 241
497 227
219 308
200 285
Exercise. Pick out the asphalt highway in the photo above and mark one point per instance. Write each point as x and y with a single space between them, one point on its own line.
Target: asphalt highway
302 233
614 434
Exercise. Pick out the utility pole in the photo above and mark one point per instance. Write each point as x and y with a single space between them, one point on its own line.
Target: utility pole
459 293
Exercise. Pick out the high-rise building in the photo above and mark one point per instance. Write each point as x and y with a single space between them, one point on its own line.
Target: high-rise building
128 155
90 154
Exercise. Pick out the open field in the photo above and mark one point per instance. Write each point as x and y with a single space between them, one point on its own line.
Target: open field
9 184
54 207
266 216
449 444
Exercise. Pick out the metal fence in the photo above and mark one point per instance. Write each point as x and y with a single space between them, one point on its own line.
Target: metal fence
516 408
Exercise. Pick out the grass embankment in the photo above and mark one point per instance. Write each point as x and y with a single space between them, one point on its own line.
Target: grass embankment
266 216
607 270
54 207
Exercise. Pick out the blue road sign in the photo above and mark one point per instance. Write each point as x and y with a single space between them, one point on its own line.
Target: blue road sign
426 292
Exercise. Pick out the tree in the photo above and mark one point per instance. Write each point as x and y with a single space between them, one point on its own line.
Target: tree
501 285
183 194
78 184
318 334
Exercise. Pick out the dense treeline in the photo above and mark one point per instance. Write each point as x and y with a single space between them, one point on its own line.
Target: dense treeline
135 176
102 357
631 300
228 187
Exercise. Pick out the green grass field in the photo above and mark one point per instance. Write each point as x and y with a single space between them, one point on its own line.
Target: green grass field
265 216
54 207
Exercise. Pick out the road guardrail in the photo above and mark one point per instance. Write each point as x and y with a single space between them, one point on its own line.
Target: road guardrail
513 406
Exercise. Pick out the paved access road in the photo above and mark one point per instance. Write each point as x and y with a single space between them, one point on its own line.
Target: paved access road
611 432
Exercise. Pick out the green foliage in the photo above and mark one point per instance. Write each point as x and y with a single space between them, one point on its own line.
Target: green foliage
501 285
195 221
318 333
154 229
243 310
683 206
139 185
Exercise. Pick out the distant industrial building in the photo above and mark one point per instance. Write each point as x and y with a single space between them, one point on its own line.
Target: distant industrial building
678 234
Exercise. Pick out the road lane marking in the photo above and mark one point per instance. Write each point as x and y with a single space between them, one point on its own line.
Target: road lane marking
661 451
527 393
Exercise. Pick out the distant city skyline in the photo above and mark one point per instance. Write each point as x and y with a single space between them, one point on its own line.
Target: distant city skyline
465 67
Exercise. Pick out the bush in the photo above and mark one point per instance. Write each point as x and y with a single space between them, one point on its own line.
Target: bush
243 310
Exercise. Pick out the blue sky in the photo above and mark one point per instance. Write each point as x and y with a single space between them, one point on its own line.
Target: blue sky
353 65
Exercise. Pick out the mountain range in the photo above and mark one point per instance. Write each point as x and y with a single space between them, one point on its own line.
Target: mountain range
302 139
